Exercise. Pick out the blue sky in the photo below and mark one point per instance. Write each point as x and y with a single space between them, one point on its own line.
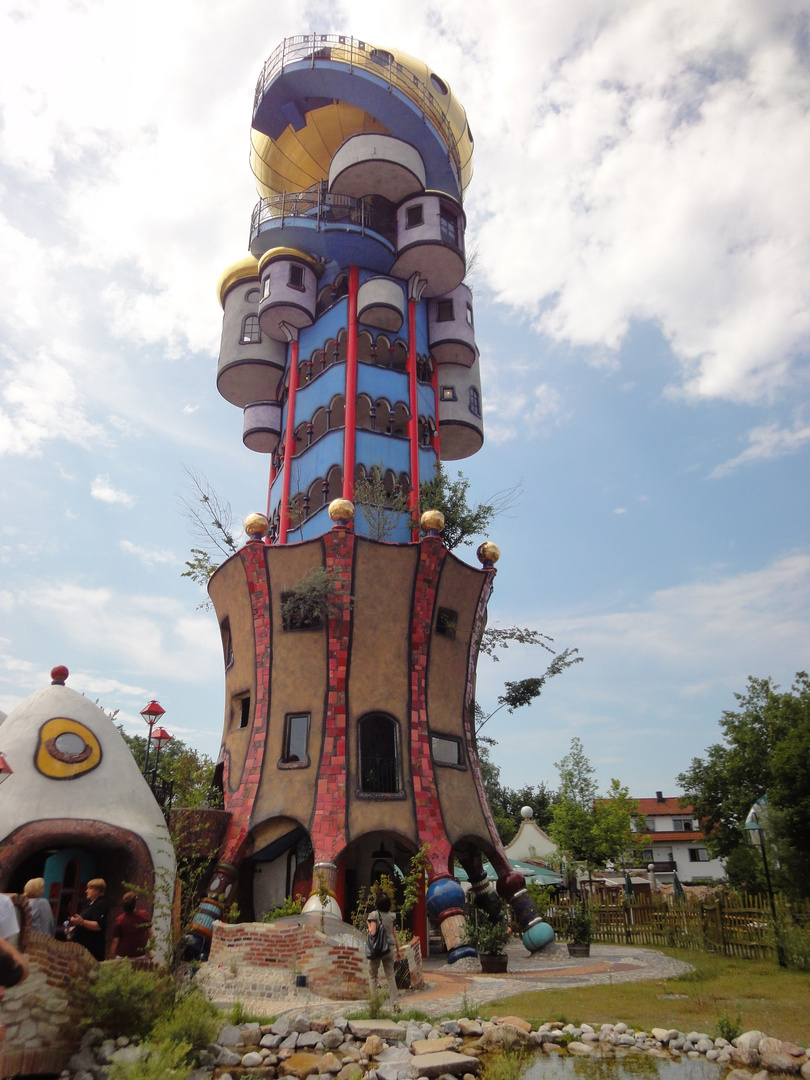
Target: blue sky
639 208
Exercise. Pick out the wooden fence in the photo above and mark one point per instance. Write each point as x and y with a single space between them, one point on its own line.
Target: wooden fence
733 924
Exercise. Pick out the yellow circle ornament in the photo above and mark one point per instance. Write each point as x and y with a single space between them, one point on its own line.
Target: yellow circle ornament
66 749
432 520
341 510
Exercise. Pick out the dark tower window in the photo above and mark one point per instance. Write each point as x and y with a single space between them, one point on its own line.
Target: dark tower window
240 710
251 334
296 738
448 393
446 622
379 755
227 641
448 223
444 311
470 316
475 402
296 277
414 216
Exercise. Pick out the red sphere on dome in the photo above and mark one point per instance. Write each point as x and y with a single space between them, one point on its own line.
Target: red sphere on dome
58 675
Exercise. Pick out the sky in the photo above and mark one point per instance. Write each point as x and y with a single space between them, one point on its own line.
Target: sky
640 214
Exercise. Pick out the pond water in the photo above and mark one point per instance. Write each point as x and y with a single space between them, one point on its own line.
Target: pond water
606 1065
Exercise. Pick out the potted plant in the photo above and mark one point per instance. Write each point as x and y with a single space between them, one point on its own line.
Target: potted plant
489 937
580 928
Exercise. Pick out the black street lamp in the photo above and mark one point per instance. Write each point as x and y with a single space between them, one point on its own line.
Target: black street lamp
151 714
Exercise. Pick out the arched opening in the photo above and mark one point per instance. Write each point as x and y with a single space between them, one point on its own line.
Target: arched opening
379 754
363 412
401 418
338 408
335 480
320 423
364 347
399 356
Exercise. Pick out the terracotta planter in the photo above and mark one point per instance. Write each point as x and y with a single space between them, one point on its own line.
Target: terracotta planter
493 965
579 950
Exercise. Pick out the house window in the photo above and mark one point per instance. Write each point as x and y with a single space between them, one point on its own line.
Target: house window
296 277
446 622
379 755
475 401
240 710
682 824
470 316
448 393
296 740
698 854
650 824
446 750
444 311
266 289
251 334
414 216
448 224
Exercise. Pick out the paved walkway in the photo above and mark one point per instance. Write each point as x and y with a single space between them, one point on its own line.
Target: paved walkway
445 989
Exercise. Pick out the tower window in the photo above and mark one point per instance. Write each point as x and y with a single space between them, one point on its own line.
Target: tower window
448 223
470 316
698 854
379 755
444 311
266 288
475 401
414 216
296 277
227 641
448 393
251 334
446 750
240 710
446 622
296 739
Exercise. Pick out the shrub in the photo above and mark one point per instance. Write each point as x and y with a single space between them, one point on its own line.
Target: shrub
125 1000
728 1028
306 605
162 1061
291 906
194 1022
487 935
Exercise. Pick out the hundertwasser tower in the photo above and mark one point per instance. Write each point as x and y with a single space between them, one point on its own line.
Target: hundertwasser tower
348 342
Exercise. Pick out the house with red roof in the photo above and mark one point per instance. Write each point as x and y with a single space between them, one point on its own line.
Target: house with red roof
677 842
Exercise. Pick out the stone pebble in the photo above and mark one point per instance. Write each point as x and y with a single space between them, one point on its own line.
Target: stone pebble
304 1048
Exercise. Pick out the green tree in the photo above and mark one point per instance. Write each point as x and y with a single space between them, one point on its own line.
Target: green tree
462 520
588 829
190 771
382 510
764 752
211 524
505 803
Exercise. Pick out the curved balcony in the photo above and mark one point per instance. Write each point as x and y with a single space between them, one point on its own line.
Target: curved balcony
374 164
339 227
381 304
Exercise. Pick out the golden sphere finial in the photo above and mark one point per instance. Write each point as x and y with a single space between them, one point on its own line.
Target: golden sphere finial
432 521
341 511
488 553
256 525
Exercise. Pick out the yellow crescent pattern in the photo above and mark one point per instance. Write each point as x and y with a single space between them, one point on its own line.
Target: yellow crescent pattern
73 760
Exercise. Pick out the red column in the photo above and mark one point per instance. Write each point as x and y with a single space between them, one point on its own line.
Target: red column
350 431
270 480
289 443
413 425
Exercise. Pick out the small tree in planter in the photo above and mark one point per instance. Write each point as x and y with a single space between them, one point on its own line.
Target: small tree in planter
489 937
580 929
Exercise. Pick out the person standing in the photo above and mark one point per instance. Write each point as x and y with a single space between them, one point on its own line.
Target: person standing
383 918
40 913
89 927
13 965
131 931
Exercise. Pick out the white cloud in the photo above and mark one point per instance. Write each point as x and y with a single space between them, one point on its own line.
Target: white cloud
620 510
102 489
766 443
147 557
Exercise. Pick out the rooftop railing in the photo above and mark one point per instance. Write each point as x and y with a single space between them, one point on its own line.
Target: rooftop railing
324 209
340 48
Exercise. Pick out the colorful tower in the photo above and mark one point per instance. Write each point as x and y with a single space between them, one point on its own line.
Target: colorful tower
348 342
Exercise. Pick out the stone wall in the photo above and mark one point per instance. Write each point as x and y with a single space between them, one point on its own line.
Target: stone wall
258 960
39 1017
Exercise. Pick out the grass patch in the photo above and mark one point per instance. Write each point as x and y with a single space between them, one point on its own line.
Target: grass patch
756 993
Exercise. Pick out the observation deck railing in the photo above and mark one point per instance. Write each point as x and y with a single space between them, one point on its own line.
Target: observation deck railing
354 53
324 209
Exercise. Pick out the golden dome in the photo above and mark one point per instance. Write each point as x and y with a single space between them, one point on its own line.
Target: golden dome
243 270
256 525
432 520
341 510
488 552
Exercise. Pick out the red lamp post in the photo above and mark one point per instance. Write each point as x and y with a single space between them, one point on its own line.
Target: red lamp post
159 737
151 714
